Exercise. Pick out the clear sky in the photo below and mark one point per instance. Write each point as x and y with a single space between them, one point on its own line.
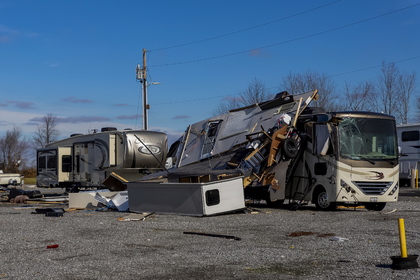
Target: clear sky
76 59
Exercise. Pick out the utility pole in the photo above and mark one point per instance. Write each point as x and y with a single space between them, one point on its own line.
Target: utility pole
141 74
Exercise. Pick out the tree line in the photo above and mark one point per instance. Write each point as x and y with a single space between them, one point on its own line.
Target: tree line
391 94
16 149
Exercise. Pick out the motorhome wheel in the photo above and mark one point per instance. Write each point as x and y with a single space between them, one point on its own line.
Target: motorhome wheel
289 148
322 202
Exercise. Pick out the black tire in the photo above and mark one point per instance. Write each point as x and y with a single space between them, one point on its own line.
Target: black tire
375 206
289 148
321 200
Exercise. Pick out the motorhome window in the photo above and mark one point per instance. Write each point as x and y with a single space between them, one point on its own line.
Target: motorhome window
413 135
66 163
321 139
367 138
212 197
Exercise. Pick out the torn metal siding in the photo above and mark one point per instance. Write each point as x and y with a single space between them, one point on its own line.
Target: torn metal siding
233 128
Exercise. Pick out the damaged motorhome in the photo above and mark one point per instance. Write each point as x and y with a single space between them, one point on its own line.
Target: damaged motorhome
284 149
88 160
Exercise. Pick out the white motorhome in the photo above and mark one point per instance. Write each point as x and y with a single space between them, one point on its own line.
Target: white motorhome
87 160
409 144
349 158
287 150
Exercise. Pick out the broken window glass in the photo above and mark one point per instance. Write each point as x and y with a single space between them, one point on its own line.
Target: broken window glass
209 138
367 138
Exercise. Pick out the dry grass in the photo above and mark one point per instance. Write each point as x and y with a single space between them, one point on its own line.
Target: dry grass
29 181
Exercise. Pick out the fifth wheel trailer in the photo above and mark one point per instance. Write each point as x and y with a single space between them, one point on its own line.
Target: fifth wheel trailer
87 160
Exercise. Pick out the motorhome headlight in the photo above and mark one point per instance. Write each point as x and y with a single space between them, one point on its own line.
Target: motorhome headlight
394 189
150 149
346 186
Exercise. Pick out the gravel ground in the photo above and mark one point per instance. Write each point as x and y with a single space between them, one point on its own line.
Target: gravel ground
275 243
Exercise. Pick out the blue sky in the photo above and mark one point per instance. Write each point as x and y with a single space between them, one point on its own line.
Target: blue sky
76 59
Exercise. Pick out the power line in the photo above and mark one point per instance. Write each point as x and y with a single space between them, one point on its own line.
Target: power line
247 29
334 75
291 40
373 67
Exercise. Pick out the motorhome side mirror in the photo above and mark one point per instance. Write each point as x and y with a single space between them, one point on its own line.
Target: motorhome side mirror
322 117
320 168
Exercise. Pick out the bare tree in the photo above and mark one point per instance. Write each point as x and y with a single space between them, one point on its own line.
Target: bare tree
417 115
388 88
12 149
361 97
301 83
46 132
225 107
395 90
255 93
406 87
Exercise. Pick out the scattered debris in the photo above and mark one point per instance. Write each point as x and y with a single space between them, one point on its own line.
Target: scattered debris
19 199
21 196
306 233
119 201
50 212
213 235
338 239
136 217
301 233
390 212
99 198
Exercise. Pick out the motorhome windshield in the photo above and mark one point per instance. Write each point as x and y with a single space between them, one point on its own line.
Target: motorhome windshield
368 139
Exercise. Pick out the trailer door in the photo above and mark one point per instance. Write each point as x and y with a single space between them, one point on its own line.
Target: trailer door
64 164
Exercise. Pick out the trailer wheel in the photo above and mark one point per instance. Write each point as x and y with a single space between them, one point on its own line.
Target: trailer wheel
378 206
321 200
289 148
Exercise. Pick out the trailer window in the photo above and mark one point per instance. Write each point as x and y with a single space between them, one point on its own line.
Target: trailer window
66 163
210 138
51 163
413 135
42 163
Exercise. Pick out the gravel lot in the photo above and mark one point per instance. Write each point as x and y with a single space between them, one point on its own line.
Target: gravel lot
275 243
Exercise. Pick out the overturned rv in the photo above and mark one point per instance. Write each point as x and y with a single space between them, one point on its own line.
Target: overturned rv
284 149
88 160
